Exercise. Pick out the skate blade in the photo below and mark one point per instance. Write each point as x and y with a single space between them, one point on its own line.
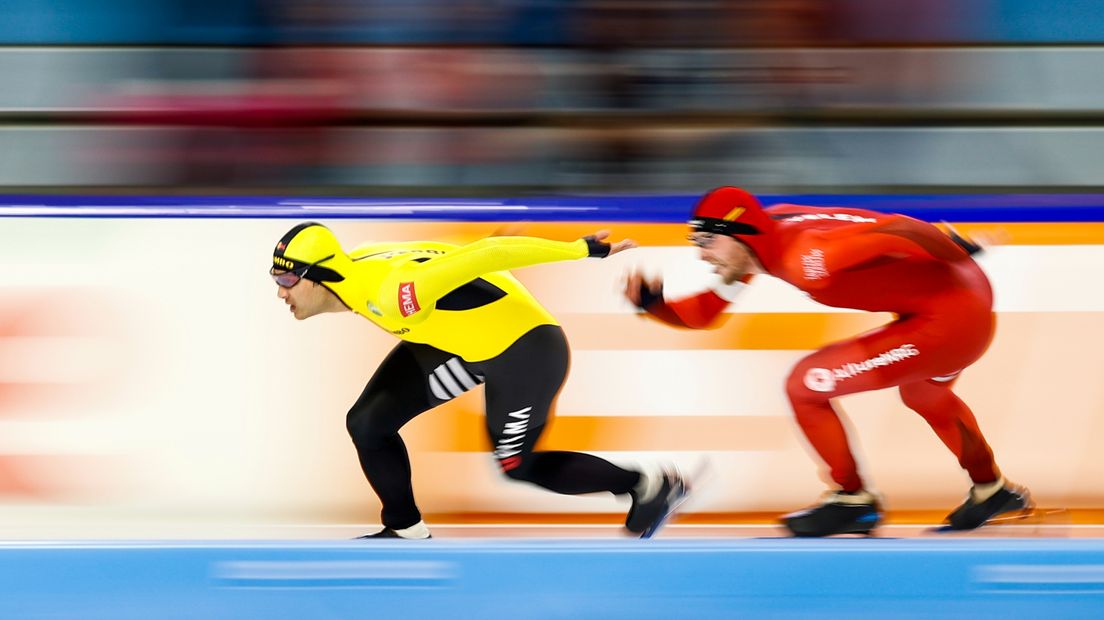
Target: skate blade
697 475
691 481
1027 523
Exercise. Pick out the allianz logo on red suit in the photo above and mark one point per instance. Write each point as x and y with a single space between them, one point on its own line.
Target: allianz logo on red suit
825 380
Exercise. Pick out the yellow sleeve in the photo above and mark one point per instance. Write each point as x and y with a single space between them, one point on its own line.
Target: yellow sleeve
411 291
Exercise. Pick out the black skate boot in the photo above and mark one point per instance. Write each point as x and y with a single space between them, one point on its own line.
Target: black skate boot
647 515
973 514
838 513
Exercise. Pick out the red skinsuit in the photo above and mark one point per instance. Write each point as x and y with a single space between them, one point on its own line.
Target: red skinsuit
851 258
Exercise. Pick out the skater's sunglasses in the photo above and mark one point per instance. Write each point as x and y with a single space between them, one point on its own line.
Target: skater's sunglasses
288 279
700 239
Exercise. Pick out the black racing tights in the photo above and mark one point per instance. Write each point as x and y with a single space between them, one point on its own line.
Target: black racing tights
520 387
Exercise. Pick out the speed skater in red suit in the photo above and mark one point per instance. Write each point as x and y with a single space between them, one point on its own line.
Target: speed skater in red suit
862 260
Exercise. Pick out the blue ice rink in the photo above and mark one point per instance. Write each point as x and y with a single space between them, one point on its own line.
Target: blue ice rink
556 578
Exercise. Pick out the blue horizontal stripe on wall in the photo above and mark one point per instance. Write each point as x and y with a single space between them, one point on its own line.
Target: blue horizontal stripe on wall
623 208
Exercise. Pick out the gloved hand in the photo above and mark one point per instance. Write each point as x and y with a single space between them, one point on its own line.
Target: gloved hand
642 291
597 247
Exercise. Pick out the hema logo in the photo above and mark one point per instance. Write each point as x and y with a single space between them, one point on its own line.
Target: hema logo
408 299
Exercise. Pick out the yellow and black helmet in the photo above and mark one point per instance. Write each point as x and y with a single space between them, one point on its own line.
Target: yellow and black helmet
309 250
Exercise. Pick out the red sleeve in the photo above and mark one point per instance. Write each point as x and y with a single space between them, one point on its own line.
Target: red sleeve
696 312
820 254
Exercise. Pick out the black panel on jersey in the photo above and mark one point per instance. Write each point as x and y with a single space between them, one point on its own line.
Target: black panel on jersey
474 294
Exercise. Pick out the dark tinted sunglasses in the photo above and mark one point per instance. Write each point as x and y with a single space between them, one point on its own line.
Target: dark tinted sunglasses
288 279
701 239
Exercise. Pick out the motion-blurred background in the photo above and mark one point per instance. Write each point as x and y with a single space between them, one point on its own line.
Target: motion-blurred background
511 96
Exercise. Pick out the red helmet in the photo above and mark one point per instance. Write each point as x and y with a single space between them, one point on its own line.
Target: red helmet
734 212
730 211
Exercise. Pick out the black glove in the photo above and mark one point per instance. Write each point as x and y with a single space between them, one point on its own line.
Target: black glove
647 297
964 243
596 248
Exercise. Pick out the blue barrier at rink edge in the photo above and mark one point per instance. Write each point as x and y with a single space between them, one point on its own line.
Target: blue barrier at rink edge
561 578
602 208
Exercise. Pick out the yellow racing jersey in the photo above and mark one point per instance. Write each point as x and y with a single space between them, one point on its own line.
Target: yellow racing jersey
459 299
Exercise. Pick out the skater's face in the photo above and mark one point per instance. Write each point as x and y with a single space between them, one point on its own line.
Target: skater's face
731 259
305 298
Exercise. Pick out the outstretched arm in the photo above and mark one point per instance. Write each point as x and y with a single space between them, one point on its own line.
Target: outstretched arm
424 283
698 311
